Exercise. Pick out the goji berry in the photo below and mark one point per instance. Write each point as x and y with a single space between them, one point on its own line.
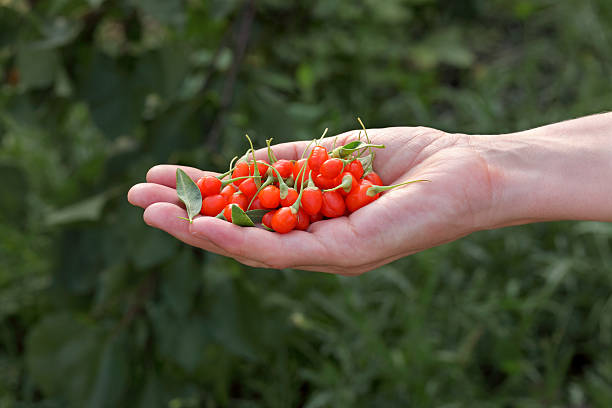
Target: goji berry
317 157
331 168
228 191
267 218
284 220
374 179
359 197
213 205
356 168
284 167
241 170
333 204
248 187
303 220
312 200
209 185
292 195
269 196
240 199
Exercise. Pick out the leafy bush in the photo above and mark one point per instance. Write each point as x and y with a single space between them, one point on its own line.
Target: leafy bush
97 309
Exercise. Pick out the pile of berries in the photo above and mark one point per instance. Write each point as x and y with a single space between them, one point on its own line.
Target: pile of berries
294 194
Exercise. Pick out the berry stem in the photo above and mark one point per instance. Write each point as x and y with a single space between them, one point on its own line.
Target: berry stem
373 190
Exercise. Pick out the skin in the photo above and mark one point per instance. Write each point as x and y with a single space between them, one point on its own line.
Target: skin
477 182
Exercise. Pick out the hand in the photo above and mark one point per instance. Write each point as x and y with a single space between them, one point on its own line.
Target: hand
411 218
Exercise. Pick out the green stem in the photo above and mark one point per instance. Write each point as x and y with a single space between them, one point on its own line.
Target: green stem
261 187
271 156
296 206
373 190
255 168
346 184
282 186
229 181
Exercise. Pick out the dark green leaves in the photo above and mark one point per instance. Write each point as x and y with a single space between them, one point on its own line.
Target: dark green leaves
239 217
189 193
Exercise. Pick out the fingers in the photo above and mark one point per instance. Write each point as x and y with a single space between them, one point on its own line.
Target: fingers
144 194
165 174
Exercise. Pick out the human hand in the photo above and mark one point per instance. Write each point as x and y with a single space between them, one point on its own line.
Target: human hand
401 222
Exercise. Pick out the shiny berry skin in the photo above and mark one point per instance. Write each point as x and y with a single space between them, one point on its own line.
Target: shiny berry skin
256 205
209 185
262 167
213 205
312 200
303 220
248 187
296 172
284 220
284 167
374 179
331 168
291 198
356 168
325 183
358 198
267 219
241 170
269 196
333 204
227 212
228 191
317 157
354 183
240 199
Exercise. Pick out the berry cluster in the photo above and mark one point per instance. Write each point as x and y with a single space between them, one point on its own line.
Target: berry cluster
294 194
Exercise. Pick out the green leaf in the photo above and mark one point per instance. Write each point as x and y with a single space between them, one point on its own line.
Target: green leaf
37 66
189 193
351 147
86 210
256 215
239 217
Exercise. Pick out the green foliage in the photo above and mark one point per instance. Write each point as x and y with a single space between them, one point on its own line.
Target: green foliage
97 309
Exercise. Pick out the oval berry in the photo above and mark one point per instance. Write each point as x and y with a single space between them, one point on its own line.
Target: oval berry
262 167
316 217
213 205
358 198
374 179
267 219
257 205
240 199
284 168
296 172
303 220
356 169
317 157
333 204
241 170
269 197
227 212
331 168
325 183
284 220
209 185
228 191
248 187
291 198
312 200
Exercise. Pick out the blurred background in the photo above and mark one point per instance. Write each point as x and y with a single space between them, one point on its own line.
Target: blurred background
99 310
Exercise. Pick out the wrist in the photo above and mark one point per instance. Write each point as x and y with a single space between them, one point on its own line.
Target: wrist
556 172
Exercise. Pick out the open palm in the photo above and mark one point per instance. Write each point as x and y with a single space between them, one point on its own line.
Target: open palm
402 221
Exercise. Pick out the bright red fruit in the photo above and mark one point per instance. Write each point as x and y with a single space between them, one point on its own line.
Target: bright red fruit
228 191
316 217
267 219
325 183
213 205
256 205
317 158
312 200
240 199
296 172
269 197
248 187
291 198
241 170
333 204
359 198
331 168
354 183
303 220
209 185
262 167
227 212
284 220
374 179
284 168
356 169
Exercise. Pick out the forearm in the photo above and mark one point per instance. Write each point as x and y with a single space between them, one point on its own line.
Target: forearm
561 171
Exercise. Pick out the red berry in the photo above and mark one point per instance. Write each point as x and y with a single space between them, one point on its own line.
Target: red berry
284 220
317 158
316 217
359 198
296 172
227 212
331 168
291 198
269 196
209 185
240 199
228 191
325 183
374 179
333 204
262 167
354 183
303 220
267 219
248 187
241 170
284 167
256 205
356 168
213 205
312 200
